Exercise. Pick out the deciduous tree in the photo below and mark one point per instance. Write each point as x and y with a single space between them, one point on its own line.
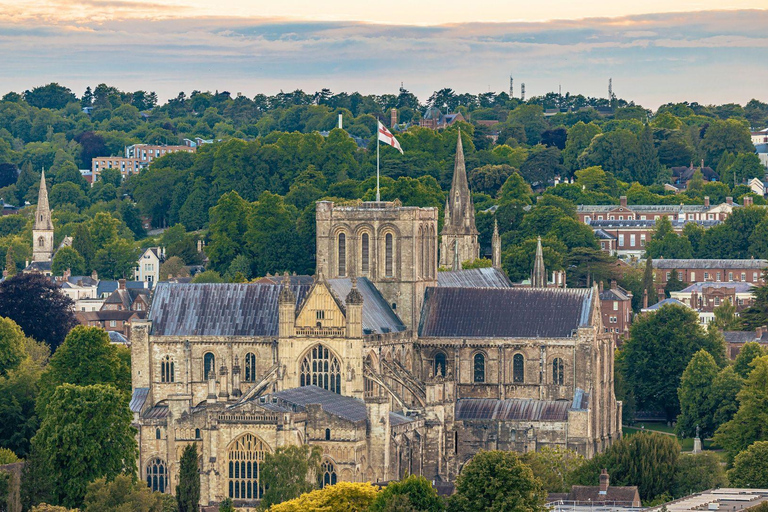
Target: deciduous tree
750 467
289 472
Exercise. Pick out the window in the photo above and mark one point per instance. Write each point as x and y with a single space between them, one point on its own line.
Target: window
730 276
631 240
364 252
558 375
245 457
642 240
197 433
717 301
157 434
667 279
621 240
693 277
389 255
599 217
479 368
327 434
342 254
586 219
718 276
518 368
642 217
706 275
615 305
621 217
439 366
320 314
328 472
156 475
41 240
754 277
322 369
209 365
167 373
250 367
743 276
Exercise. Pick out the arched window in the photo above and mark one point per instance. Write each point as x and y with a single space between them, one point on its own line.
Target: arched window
245 457
250 367
518 368
389 250
167 373
209 365
157 433
197 433
328 473
156 475
558 374
422 268
439 364
40 241
342 254
479 368
322 369
327 434
365 251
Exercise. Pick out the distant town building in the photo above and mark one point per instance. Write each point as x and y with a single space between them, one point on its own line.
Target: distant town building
705 297
137 157
616 308
42 233
759 136
436 120
628 238
691 271
735 340
723 500
623 211
148 265
598 498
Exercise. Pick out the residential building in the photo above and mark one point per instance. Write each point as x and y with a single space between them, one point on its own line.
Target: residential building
118 309
436 120
683 212
599 498
759 136
616 308
762 153
692 271
682 175
705 297
137 157
148 266
628 238
146 153
735 340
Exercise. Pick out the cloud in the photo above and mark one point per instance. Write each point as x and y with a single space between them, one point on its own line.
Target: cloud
652 58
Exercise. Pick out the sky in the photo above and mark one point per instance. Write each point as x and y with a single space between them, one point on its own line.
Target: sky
655 51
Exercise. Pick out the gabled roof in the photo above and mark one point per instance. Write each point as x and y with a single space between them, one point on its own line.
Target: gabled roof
226 309
617 293
709 264
665 302
345 407
474 278
504 312
745 336
591 494
378 316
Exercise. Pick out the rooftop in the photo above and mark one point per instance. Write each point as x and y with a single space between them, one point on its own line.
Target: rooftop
709 264
474 278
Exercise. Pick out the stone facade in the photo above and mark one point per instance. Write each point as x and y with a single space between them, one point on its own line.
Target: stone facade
42 233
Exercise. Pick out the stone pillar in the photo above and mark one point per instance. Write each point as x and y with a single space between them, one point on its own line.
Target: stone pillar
379 434
236 392
223 393
287 309
354 303
212 396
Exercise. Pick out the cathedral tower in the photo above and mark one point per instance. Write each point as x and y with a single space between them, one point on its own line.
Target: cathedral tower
42 233
459 230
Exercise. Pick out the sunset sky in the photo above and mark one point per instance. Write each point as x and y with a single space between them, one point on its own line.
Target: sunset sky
655 51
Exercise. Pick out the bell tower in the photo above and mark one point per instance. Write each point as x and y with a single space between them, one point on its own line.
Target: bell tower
42 233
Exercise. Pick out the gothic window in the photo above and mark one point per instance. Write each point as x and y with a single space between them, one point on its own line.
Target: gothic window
157 433
328 472
322 369
364 253
197 433
479 368
439 364
389 264
518 368
156 475
209 365
327 434
245 457
421 253
40 242
342 254
558 375
167 373
250 367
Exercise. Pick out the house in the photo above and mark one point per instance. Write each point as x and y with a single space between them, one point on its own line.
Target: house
681 212
627 238
706 296
616 308
148 266
118 309
118 321
735 340
682 175
598 497
127 299
436 120
759 136
762 153
692 271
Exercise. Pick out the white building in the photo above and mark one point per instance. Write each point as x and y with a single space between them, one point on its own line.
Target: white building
148 266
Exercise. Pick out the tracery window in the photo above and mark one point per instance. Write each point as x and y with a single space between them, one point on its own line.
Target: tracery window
244 458
156 475
479 368
250 367
518 368
389 250
342 254
558 375
322 369
209 365
365 250
167 367
40 241
439 364
328 473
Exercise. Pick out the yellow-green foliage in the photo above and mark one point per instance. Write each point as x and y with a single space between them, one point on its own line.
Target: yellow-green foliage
7 456
342 497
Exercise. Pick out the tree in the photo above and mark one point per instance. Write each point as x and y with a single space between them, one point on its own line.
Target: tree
646 459
648 164
674 283
742 365
554 467
53 96
38 307
756 315
696 406
86 357
116 260
83 244
648 282
209 276
724 391
411 493
725 316
730 135
12 345
355 497
616 151
86 434
227 505
698 472
67 258
750 423
289 472
173 267
188 490
750 467
227 228
659 348
122 494
497 480
7 457
10 263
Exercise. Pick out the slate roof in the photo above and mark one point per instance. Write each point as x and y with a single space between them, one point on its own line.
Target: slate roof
296 399
474 278
138 398
504 312
664 302
705 264
738 286
617 293
591 493
744 336
39 266
631 223
106 287
378 317
685 208
512 409
604 235
395 419
212 309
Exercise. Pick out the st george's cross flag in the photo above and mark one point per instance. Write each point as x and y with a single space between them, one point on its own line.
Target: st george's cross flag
386 137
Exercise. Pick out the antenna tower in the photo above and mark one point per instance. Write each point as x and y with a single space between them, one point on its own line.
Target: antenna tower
522 92
511 87
610 88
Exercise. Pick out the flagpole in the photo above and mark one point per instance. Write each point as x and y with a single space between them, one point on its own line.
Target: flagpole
378 196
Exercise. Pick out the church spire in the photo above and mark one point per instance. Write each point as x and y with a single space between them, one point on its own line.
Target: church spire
496 245
539 274
459 220
43 216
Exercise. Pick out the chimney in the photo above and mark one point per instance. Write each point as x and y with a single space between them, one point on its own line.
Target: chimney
604 481
759 332
94 276
613 284
67 274
393 117
121 284
729 201
748 200
600 287
706 201
623 201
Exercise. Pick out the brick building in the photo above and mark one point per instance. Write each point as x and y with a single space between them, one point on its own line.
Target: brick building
692 271
616 308
623 211
137 157
626 238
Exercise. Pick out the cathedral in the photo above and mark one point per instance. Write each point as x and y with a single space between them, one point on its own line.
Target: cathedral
386 364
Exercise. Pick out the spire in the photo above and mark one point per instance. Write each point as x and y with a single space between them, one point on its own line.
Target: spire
354 296
43 217
460 211
539 274
496 246
286 295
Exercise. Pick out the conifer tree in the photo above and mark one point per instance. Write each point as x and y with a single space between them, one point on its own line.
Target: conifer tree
188 491
648 285
10 262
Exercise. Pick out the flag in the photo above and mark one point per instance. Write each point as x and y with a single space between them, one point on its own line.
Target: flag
386 137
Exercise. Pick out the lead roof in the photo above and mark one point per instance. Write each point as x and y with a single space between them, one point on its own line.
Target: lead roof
474 278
